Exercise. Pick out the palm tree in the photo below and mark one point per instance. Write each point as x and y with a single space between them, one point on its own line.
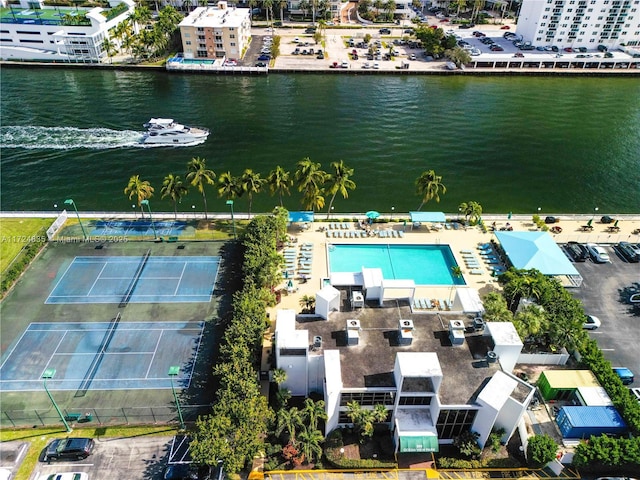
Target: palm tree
307 302
282 4
251 183
279 181
173 188
198 175
268 5
109 47
289 419
389 8
310 181
279 376
429 185
228 186
311 443
472 211
313 411
339 181
140 189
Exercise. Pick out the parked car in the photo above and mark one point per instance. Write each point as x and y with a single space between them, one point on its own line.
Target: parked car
385 31
180 471
591 323
264 58
577 251
69 448
629 252
412 56
598 253
625 375
505 27
310 30
261 64
65 476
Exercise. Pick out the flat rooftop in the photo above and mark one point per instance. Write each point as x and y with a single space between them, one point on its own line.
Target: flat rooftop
370 363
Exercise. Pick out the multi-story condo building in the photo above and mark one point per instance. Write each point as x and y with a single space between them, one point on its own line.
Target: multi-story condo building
435 377
31 30
216 32
580 23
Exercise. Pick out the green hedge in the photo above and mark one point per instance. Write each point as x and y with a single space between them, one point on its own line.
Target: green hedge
332 453
27 254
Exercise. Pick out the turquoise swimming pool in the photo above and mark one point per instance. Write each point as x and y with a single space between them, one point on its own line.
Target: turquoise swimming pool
424 264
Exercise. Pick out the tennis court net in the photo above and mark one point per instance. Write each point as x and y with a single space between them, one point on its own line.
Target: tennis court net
93 368
134 281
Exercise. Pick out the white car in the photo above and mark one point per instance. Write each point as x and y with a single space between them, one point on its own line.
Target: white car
65 476
598 253
344 64
376 66
591 323
366 65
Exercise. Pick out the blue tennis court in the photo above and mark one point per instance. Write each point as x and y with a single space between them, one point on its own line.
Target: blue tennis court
102 356
117 228
130 279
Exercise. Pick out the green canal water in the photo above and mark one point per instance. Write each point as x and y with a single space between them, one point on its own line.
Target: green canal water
512 144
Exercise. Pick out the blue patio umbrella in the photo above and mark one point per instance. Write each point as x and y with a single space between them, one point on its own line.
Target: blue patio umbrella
372 214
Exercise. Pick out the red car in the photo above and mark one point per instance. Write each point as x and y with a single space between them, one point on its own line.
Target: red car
505 27
568 50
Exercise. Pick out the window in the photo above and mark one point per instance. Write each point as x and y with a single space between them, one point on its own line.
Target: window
292 352
366 398
187 42
415 400
23 32
31 41
452 423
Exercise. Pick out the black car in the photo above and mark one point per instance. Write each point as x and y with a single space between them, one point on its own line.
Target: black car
385 31
180 471
310 30
629 251
577 251
69 449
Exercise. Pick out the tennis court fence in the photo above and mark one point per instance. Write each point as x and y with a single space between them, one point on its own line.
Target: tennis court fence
148 415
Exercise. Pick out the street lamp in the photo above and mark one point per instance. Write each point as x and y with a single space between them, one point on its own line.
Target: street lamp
173 372
595 212
69 201
49 373
233 220
146 202
193 209
133 207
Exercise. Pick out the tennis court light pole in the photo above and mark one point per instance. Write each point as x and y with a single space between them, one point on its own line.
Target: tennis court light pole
153 225
69 201
173 372
233 220
49 373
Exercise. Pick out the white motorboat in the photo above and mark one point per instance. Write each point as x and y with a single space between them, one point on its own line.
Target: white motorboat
165 131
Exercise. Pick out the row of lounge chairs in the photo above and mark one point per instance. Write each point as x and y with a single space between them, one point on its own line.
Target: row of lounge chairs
365 234
339 226
298 262
427 304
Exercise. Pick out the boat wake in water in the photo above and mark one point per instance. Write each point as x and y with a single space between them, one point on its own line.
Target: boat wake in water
66 138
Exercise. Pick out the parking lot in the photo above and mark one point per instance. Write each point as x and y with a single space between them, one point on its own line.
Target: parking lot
142 458
605 293
396 42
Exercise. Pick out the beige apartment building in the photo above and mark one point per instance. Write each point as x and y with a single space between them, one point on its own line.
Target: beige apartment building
220 32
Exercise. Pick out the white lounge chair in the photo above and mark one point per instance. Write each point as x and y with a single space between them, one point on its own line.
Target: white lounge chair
475 271
468 252
400 233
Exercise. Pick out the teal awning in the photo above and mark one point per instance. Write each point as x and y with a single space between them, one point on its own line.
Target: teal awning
418 443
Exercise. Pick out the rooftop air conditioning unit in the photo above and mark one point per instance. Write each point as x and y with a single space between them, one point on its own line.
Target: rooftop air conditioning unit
456 325
353 324
406 325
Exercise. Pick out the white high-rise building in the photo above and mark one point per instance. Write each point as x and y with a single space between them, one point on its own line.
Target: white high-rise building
580 23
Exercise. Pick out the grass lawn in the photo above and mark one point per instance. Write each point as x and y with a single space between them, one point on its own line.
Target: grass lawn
15 233
39 438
